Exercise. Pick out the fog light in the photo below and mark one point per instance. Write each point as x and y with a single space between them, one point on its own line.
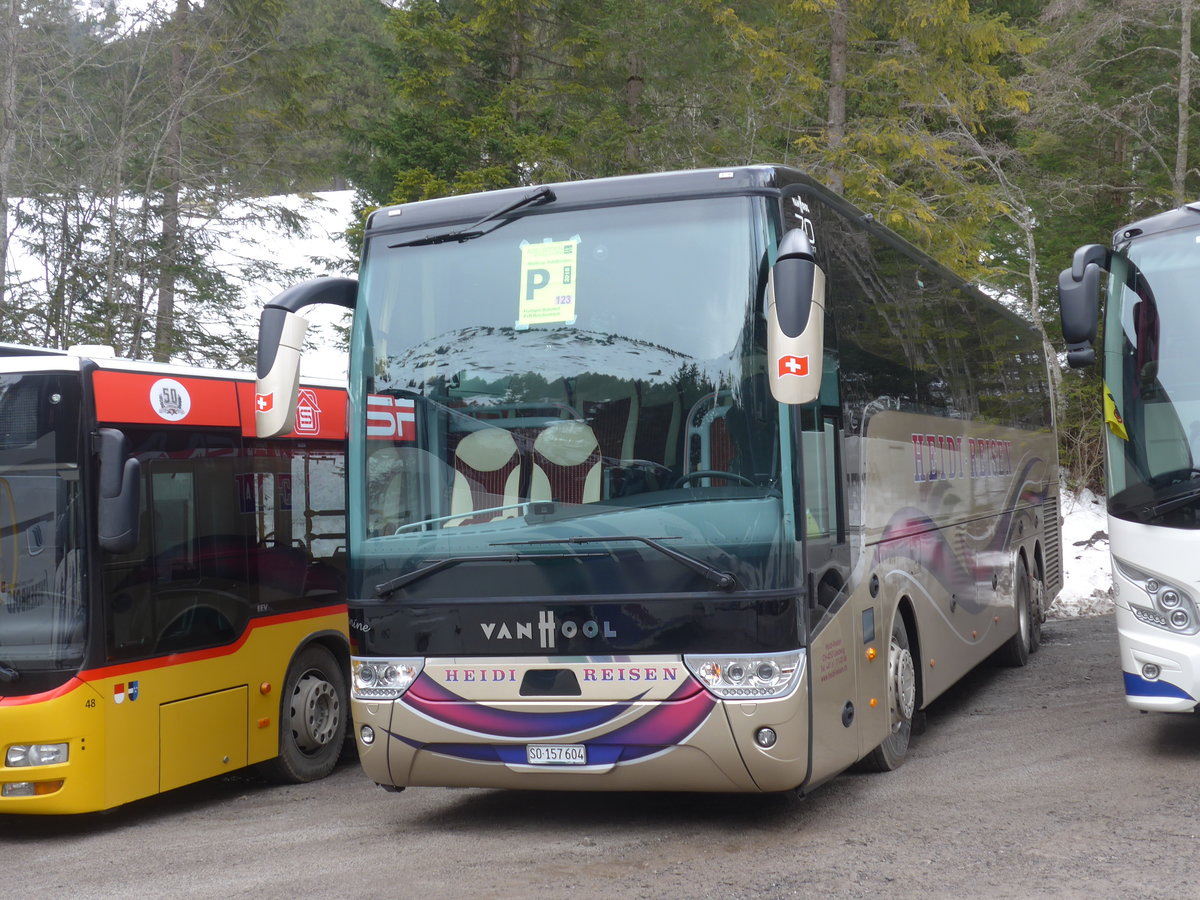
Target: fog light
1179 619
1150 671
30 788
366 734
765 738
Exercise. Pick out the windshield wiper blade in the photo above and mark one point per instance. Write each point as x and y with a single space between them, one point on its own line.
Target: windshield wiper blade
541 195
394 584
8 674
723 580
1147 512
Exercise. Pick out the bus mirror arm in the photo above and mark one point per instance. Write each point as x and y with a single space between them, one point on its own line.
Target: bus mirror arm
1079 302
120 479
280 342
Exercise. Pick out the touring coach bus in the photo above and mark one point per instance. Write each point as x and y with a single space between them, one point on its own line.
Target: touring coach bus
1152 407
687 481
172 588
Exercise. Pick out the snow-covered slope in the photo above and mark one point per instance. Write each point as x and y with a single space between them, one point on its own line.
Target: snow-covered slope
1087 574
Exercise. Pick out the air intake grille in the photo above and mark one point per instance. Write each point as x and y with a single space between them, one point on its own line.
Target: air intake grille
1052 545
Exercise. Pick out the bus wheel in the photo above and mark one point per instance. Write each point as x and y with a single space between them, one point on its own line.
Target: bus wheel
1038 616
902 702
1015 651
312 721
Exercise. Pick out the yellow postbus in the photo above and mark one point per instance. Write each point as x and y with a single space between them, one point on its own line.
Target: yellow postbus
172 589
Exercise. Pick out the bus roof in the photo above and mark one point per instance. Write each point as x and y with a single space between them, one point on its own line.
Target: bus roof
1173 219
645 187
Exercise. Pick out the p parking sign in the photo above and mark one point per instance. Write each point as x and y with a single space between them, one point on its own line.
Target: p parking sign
549 273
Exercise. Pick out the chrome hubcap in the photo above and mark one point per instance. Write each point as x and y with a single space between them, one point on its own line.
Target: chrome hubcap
902 685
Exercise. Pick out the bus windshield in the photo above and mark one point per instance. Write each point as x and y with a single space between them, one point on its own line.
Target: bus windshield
572 401
42 609
1154 375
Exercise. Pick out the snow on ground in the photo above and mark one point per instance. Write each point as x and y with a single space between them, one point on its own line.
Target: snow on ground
1087 574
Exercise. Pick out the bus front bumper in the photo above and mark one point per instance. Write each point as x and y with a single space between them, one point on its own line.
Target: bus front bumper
1173 661
690 742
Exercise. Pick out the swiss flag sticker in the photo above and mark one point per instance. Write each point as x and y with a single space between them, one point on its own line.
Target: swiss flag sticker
793 365
264 402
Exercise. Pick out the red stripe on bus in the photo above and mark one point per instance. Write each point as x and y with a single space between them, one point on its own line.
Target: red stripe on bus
159 398
320 412
175 659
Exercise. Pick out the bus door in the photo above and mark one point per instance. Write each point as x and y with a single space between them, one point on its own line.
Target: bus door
834 630
180 596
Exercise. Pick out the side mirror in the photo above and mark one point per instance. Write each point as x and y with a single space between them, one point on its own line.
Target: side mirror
280 341
796 321
1079 303
276 390
120 484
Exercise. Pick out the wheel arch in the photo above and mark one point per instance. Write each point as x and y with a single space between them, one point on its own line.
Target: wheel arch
333 641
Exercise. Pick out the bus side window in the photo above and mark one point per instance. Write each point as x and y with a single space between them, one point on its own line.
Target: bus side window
819 450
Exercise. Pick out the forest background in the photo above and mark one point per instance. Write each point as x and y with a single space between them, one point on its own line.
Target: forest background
996 134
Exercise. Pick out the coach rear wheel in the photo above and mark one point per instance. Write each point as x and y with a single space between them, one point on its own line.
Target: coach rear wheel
1037 603
1015 652
313 712
902 702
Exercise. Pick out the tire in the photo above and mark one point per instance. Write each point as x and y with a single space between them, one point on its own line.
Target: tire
1038 616
312 718
1015 651
902 702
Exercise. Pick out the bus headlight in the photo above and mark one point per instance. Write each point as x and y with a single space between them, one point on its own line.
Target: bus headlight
36 754
375 678
1168 606
747 676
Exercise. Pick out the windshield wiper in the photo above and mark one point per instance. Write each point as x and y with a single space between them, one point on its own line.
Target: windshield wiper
1143 501
1147 512
541 195
723 580
394 584
8 674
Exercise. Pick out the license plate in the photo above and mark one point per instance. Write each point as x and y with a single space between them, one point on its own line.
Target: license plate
556 754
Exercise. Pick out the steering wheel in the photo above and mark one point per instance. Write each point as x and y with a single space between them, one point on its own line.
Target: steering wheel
713 473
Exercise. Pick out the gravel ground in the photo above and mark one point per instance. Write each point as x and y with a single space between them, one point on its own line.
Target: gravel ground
1027 782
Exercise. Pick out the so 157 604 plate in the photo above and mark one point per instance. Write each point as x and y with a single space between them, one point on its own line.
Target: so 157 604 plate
556 754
